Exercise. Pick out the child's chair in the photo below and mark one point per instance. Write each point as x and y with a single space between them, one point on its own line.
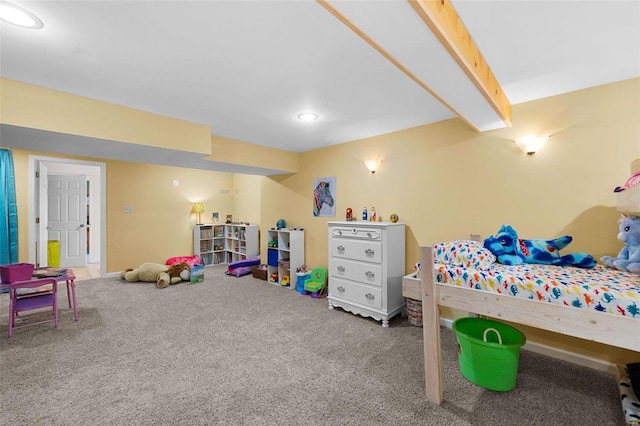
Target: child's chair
317 283
33 295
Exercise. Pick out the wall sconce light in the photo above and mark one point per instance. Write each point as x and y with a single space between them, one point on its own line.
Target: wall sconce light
198 208
372 165
531 144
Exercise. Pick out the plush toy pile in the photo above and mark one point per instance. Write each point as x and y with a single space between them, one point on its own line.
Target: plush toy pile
629 257
162 275
511 250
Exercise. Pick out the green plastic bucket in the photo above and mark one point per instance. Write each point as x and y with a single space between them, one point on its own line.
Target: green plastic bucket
488 352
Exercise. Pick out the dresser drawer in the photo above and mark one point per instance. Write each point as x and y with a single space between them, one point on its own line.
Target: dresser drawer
368 251
357 293
355 232
367 273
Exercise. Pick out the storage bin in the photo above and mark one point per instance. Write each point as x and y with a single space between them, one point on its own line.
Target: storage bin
272 257
258 273
53 253
284 264
16 272
488 352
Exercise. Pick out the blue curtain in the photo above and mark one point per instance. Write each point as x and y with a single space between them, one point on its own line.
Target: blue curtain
8 210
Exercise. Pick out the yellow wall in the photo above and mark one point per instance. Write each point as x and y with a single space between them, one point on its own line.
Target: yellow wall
233 151
35 107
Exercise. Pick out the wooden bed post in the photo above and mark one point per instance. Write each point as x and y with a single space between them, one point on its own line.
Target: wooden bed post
430 327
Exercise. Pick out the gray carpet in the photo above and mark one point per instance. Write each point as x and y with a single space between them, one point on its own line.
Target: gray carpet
241 351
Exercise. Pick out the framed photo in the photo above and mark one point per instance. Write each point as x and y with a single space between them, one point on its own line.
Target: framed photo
216 217
324 195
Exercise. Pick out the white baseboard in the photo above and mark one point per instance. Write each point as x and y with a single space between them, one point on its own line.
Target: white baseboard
572 357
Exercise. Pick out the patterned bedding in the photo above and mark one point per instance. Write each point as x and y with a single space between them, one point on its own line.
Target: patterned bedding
467 264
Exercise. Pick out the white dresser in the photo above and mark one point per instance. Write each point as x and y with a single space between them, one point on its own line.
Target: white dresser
366 266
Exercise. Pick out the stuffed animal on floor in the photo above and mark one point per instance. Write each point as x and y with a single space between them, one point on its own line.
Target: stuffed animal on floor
511 250
162 275
629 257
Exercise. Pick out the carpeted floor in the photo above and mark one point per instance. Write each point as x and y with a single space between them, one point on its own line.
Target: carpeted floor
240 351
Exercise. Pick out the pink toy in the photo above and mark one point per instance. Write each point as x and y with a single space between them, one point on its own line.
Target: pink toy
190 260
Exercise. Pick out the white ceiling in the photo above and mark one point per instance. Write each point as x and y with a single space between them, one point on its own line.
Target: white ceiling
247 68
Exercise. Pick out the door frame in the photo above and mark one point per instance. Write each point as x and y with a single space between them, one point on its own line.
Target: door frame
34 228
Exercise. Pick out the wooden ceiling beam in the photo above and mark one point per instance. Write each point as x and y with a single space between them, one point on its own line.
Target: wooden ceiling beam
443 20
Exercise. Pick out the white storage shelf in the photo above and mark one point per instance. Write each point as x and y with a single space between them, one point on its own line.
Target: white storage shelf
285 254
225 243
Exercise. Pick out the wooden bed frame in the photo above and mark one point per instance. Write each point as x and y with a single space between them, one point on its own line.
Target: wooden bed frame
600 327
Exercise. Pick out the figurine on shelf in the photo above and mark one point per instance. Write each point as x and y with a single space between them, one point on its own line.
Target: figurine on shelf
373 214
349 217
393 218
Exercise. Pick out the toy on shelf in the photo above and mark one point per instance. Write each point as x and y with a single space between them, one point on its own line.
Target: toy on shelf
281 224
629 257
317 283
393 218
272 244
273 278
285 281
349 216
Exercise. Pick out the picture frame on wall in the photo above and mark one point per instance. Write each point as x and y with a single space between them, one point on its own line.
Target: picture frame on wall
324 194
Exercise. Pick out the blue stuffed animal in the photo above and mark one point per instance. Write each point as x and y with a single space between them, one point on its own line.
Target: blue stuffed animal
629 257
511 250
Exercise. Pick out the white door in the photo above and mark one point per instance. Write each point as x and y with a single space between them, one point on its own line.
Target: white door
67 211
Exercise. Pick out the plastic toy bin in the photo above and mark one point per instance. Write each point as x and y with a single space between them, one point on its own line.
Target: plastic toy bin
16 272
272 257
488 352
53 253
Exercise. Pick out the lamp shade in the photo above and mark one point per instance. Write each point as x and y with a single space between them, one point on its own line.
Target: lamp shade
531 144
198 207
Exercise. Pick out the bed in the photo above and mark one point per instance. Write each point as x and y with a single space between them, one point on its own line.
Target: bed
574 305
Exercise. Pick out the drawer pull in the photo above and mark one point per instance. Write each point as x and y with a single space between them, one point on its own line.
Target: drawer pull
370 297
340 249
341 269
340 289
369 252
370 275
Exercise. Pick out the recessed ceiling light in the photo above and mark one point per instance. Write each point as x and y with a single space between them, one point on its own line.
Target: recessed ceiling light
18 16
307 116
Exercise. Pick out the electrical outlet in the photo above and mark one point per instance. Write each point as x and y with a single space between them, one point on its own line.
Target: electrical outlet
128 209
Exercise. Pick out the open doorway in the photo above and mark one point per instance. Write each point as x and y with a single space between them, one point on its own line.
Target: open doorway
81 244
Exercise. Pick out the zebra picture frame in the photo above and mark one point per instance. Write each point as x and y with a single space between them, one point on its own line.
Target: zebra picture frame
324 195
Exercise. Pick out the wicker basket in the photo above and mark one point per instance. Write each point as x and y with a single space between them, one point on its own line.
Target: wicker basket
414 312
258 273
